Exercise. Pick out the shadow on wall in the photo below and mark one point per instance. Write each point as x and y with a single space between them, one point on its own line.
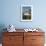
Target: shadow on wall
2 26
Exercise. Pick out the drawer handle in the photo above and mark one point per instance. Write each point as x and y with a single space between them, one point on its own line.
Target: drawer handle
33 39
11 38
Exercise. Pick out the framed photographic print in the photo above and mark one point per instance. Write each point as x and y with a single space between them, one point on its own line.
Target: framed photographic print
26 12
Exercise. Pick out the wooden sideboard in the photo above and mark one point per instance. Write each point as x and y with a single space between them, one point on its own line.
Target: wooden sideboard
23 39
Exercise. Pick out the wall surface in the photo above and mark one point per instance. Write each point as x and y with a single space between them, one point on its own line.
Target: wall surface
10 13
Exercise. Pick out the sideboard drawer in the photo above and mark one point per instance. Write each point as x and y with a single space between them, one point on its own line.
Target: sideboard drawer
38 39
34 33
13 33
